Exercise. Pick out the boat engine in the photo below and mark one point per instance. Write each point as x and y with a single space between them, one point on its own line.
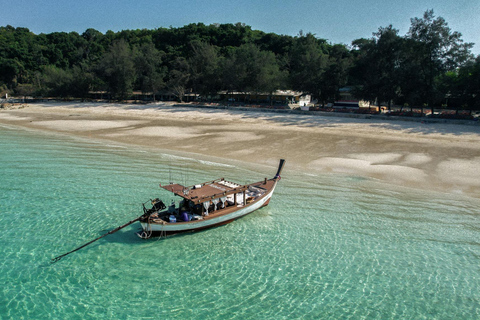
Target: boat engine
157 205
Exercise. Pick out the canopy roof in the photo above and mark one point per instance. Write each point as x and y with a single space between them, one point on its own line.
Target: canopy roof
206 191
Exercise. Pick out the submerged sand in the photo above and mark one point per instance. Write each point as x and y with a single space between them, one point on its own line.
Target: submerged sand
443 157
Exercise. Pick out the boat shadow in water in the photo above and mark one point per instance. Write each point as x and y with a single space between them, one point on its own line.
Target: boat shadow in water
131 236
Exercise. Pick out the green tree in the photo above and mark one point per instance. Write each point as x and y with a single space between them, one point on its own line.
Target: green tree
248 69
307 64
205 68
335 74
463 86
150 72
63 49
10 69
57 82
83 80
92 49
117 69
378 66
178 78
472 84
20 55
269 77
435 49
230 79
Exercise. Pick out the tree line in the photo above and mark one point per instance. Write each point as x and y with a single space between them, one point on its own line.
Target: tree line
430 66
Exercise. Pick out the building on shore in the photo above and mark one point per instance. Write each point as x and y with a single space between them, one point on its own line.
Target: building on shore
280 97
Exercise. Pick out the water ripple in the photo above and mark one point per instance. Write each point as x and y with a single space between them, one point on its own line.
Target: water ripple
326 247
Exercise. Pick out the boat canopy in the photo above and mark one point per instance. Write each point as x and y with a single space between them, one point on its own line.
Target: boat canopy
206 191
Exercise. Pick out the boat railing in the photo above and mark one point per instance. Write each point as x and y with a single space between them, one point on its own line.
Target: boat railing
205 183
221 181
229 184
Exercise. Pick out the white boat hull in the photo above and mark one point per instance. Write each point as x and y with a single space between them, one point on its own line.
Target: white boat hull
208 222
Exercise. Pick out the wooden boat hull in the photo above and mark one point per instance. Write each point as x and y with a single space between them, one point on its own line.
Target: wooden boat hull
190 226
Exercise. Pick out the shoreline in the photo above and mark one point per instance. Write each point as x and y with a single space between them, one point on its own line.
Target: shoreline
431 156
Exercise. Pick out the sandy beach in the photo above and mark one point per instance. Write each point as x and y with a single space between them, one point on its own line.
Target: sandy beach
441 157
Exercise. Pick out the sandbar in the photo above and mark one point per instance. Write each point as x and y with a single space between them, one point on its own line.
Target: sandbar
430 156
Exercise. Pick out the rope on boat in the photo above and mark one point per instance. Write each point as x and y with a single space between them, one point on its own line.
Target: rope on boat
163 233
147 233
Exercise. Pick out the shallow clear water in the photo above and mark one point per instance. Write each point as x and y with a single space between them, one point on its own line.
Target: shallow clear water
326 247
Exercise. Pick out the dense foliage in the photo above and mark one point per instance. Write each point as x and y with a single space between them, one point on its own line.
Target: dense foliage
423 68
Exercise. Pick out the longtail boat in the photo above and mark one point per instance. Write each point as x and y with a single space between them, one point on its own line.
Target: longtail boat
205 205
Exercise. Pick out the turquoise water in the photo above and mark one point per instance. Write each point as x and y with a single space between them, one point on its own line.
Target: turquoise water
327 247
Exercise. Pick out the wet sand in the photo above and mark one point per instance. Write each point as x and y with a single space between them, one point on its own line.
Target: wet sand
441 157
